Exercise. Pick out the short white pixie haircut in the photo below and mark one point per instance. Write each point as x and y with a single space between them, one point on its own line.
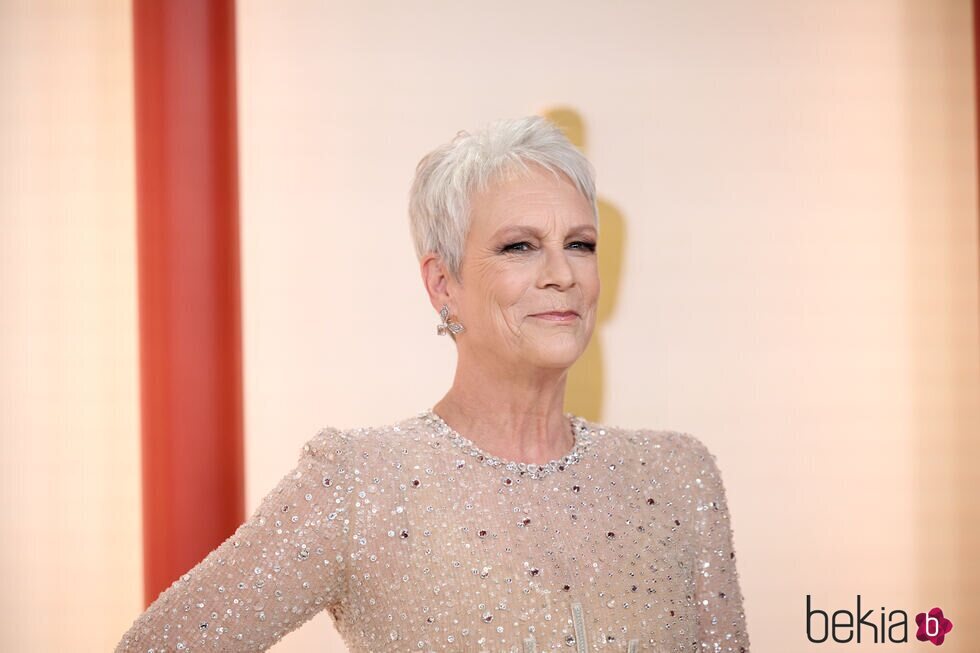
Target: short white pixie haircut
446 178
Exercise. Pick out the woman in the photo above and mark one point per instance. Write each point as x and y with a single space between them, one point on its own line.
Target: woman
493 521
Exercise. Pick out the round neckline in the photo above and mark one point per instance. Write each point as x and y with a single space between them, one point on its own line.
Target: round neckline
584 438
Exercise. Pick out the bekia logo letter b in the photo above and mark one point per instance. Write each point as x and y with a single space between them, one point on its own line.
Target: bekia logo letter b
932 626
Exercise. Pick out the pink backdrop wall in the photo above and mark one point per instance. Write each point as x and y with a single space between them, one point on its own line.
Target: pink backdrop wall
794 189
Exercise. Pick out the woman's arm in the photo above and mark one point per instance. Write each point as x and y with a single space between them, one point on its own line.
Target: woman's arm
281 567
717 591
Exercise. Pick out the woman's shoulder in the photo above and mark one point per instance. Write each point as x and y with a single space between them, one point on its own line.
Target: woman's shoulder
677 442
666 440
663 444
331 439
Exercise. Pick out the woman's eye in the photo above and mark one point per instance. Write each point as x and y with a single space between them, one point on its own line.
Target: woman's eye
525 246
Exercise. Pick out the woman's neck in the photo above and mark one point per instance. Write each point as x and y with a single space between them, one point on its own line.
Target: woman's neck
512 417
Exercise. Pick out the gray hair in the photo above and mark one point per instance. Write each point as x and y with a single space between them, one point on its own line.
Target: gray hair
446 177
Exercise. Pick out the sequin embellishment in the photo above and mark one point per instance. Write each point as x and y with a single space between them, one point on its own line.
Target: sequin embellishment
584 438
411 544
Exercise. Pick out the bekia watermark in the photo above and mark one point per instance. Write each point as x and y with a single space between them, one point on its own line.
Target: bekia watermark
843 626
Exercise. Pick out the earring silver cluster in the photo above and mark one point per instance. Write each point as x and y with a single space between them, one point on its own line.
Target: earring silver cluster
447 326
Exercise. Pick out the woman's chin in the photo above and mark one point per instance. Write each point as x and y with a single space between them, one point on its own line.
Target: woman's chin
557 357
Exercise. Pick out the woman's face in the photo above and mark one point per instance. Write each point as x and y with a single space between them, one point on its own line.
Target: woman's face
531 249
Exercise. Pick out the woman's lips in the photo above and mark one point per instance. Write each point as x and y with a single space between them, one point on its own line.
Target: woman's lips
559 316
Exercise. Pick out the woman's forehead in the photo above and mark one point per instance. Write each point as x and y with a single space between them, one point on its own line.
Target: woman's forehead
533 201
530 221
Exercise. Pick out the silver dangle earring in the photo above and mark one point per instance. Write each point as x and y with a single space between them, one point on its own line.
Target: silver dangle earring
447 326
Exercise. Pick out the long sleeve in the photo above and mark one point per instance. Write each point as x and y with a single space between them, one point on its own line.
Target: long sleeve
281 567
717 594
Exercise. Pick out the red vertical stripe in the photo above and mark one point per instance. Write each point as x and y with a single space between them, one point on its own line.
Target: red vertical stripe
189 298
976 75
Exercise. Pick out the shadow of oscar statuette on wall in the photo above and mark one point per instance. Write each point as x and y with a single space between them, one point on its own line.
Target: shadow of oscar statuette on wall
584 394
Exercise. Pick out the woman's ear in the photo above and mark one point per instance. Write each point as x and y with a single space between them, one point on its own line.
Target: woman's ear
435 276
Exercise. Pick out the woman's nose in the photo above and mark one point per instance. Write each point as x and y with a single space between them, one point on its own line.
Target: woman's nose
556 269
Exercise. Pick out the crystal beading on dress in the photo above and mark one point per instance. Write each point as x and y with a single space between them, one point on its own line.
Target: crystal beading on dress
583 439
411 543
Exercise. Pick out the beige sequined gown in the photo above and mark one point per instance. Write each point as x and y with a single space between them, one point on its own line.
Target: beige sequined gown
414 540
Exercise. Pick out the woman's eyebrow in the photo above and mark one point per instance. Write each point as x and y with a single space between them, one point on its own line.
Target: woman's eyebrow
531 231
